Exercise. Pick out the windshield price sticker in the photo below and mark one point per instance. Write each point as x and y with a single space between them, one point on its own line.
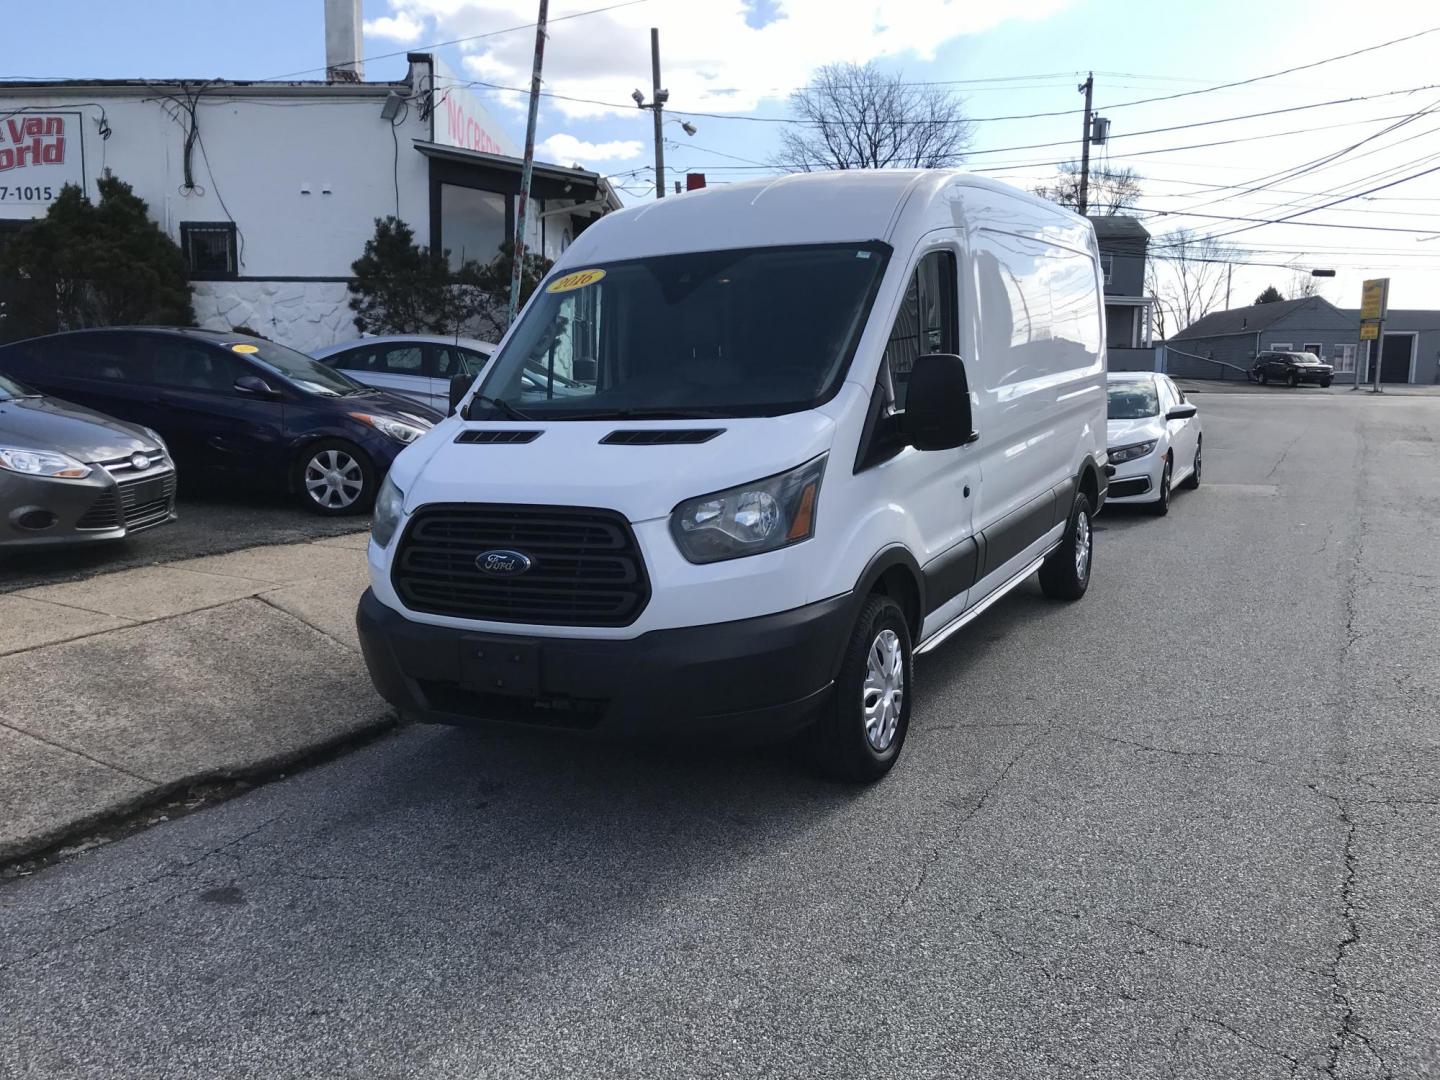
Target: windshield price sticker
242 347
577 280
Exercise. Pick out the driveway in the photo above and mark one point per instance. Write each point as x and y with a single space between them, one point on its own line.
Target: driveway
1184 828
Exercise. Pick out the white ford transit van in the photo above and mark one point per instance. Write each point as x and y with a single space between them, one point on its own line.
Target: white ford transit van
799 431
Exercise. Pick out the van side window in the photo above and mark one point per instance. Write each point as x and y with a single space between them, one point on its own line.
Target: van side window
926 323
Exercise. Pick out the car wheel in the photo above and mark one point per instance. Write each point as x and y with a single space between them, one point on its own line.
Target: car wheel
1065 573
1264 378
1161 506
1325 384
859 735
1193 480
1293 381
335 477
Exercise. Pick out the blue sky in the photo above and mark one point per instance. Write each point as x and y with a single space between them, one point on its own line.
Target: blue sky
737 57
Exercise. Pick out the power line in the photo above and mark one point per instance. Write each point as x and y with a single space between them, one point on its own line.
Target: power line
462 40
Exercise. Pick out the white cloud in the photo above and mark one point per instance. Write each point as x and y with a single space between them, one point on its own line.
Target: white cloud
402 27
713 58
564 149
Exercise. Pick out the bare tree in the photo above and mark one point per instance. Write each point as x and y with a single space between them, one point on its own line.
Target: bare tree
1303 285
855 116
1110 190
1152 288
1190 274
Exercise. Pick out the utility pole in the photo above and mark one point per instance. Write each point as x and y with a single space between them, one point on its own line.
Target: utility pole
657 110
526 172
1229 268
1088 86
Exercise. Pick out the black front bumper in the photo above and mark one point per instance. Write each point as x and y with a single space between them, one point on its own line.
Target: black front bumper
754 678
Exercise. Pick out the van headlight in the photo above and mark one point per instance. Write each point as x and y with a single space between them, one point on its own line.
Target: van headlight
389 508
750 519
1121 454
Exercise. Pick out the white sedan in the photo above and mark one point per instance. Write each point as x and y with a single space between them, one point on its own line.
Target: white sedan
419 366
1154 439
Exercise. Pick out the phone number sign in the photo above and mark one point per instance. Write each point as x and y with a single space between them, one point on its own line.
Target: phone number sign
40 152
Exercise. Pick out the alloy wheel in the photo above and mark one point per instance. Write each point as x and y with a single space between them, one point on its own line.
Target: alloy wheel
883 694
1082 545
334 479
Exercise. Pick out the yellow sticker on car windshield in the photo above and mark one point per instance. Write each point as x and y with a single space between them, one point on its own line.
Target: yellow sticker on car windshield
577 280
245 348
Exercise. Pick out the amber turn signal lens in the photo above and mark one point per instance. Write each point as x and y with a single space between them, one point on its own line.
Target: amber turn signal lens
804 523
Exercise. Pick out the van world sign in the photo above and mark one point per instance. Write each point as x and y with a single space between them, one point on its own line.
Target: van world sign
40 152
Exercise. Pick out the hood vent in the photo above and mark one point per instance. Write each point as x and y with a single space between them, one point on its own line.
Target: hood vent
497 435
661 436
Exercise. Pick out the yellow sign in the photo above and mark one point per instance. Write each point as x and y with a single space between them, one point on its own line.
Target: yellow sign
576 280
1372 298
1369 331
242 347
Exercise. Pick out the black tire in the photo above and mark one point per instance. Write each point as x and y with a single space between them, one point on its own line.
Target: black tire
1293 381
1161 506
1264 378
1193 480
1063 576
1325 384
351 464
840 745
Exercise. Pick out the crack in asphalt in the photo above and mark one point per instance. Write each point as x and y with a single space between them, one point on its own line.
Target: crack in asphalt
1149 748
953 834
153 879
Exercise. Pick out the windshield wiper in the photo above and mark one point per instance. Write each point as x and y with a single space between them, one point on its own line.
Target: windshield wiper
648 414
498 403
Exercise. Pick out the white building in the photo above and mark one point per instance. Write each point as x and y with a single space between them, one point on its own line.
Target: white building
272 188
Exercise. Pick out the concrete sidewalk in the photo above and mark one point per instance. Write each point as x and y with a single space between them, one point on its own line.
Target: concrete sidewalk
119 689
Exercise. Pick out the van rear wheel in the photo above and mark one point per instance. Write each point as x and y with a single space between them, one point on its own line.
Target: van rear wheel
1065 573
859 735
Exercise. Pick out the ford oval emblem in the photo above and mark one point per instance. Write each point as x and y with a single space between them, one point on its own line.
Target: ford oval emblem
140 461
502 563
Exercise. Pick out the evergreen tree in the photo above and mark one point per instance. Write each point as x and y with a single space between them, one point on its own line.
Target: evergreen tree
94 265
1271 295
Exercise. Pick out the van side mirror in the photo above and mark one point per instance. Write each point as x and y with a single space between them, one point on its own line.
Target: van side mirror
459 387
1181 412
937 404
255 386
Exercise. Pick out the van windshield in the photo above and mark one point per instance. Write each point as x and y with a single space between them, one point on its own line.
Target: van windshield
747 332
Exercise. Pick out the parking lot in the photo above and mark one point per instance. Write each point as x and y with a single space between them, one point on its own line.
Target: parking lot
1184 828
209 523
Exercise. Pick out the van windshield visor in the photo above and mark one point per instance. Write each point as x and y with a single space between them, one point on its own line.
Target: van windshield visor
747 332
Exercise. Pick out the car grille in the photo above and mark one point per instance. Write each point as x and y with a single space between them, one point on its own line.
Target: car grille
586 567
1123 489
136 503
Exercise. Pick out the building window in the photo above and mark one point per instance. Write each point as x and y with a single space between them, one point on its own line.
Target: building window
209 248
1344 358
1281 346
1107 264
1314 349
472 224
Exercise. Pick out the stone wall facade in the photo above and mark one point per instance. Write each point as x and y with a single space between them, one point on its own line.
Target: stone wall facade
302 314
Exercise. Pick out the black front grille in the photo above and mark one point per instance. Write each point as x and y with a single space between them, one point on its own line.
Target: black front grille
148 501
496 435
661 436
101 515
585 566
561 712
1123 489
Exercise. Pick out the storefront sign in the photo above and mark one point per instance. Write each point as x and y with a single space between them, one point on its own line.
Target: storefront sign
40 152
461 120
1372 298
1369 331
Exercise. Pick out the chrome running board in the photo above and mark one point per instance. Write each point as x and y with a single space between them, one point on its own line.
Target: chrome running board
970 614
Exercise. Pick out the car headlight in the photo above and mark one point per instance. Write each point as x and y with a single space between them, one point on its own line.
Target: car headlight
1121 454
750 519
389 508
398 430
42 463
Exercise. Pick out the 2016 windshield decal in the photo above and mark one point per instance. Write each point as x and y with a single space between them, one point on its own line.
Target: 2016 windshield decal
576 280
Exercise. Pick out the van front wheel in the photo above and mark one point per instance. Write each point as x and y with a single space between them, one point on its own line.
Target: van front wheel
859 735
1065 573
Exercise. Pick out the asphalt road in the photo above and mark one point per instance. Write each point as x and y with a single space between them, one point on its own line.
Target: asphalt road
1185 828
207 525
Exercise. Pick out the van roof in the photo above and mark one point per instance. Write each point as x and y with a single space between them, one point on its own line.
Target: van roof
852 205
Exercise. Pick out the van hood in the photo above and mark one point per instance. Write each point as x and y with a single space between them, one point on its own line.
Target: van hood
1128 432
47 423
568 465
